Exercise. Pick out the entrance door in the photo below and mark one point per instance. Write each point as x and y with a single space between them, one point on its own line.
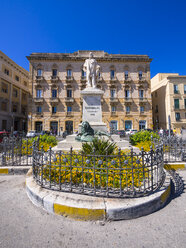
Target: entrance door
4 124
54 127
38 126
69 127
113 126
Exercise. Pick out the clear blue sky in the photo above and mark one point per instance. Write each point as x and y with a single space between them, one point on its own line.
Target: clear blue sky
156 28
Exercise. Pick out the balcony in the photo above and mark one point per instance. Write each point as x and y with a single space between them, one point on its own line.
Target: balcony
128 100
83 79
142 79
127 80
69 114
39 114
54 79
114 114
113 100
39 79
113 80
179 108
99 79
69 79
142 113
54 100
142 100
69 99
39 100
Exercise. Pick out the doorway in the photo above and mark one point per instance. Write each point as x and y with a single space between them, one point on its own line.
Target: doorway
69 127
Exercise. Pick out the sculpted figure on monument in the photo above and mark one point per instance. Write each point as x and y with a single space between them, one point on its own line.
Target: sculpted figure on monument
92 69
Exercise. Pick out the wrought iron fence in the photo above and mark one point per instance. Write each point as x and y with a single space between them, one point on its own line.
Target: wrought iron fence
174 148
16 152
119 175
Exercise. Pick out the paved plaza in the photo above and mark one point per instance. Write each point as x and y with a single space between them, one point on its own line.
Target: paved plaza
25 225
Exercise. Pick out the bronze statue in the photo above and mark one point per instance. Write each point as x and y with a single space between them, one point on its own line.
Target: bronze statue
87 133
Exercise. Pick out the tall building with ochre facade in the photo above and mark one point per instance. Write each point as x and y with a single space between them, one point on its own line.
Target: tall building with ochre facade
56 80
14 92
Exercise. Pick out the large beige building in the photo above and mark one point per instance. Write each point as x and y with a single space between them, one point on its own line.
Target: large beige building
14 91
56 80
169 100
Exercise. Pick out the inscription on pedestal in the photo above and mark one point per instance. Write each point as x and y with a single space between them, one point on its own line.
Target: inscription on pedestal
92 109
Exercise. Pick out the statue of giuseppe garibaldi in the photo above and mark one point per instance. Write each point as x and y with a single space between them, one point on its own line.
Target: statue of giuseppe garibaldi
92 69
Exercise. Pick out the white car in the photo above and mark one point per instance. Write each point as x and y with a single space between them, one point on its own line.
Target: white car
31 134
131 131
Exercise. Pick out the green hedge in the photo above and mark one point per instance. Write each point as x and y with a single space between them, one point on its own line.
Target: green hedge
142 136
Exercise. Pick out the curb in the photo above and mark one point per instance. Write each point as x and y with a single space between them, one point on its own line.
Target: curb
14 170
83 207
175 166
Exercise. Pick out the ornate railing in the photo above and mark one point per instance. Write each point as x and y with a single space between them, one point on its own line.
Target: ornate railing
16 152
117 175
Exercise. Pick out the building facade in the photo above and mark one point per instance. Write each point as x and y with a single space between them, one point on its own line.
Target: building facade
169 101
56 80
14 92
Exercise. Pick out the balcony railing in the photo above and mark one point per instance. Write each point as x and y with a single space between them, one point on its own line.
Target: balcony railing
113 79
39 114
38 99
142 99
54 100
54 79
113 113
127 79
69 79
113 99
39 78
128 100
142 79
69 99
69 114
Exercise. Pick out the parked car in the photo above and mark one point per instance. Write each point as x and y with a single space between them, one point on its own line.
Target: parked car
43 132
121 133
3 134
131 131
31 134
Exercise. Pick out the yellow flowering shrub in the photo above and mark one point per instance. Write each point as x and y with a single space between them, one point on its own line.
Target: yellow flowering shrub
108 172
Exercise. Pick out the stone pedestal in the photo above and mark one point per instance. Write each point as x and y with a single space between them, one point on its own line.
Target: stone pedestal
92 111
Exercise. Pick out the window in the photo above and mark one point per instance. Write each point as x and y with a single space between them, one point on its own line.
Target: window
156 109
38 126
15 93
39 72
128 125
140 74
113 93
141 109
185 103
23 96
54 72
6 71
175 89
128 109
113 109
112 74
16 78
176 104
185 115
4 88
142 125
4 106
39 109
38 93
156 94
14 108
54 93
113 126
69 109
54 109
127 94
177 116
83 73
141 94
69 93
25 83
69 73
126 75
185 89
